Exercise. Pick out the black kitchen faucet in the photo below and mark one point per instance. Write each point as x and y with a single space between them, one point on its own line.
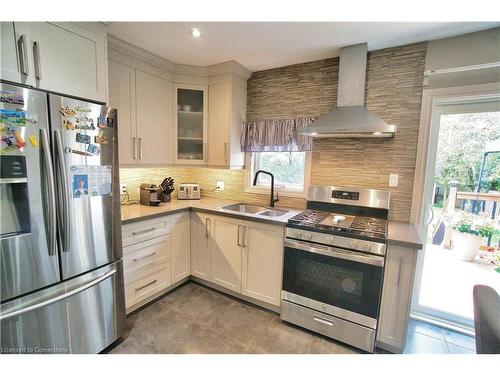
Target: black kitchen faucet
271 199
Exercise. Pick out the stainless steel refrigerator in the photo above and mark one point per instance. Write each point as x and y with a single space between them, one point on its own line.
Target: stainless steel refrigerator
61 272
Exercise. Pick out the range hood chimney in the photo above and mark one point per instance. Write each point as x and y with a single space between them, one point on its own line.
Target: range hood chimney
350 119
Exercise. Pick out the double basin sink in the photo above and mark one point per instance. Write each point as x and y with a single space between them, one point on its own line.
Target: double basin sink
255 210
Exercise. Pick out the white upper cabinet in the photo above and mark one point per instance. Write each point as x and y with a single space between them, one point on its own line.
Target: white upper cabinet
9 60
122 97
144 102
190 124
227 112
66 58
154 119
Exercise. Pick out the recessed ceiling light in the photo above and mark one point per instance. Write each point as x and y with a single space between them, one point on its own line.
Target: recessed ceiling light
195 33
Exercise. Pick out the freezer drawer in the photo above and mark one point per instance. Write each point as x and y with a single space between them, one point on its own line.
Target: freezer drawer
83 315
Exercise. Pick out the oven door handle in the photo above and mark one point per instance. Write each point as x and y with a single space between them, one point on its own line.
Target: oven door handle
335 252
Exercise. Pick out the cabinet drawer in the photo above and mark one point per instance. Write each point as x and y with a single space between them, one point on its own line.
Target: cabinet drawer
328 325
140 289
147 254
144 230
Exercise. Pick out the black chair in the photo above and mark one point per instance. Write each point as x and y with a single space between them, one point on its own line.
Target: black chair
486 319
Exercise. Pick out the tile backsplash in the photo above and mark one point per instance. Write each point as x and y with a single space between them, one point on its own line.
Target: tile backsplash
394 83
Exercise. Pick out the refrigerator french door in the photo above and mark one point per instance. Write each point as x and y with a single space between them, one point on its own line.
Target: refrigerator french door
28 257
60 256
85 155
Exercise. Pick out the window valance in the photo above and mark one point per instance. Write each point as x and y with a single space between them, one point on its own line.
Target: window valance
275 135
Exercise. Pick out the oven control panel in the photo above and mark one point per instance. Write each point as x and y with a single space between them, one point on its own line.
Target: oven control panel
350 195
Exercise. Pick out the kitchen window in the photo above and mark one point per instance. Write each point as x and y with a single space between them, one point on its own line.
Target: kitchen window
291 172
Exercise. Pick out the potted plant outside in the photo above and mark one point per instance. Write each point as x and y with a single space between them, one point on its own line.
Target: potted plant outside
468 231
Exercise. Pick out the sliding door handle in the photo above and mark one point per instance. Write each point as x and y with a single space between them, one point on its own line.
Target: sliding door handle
23 54
134 147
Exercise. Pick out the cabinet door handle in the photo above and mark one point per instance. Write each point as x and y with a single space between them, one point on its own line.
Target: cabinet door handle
145 286
38 66
134 147
205 152
400 264
23 54
225 152
144 257
238 238
245 236
143 231
323 321
140 148
207 230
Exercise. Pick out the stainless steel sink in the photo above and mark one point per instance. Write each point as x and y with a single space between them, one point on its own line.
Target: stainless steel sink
245 208
273 212
255 210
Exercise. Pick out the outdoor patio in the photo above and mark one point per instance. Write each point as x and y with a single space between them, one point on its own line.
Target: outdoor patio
447 281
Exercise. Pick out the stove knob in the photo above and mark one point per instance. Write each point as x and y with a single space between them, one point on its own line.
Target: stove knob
297 234
308 236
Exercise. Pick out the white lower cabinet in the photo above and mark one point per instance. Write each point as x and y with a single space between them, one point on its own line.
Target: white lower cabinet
242 256
396 298
226 252
200 238
147 269
262 262
181 240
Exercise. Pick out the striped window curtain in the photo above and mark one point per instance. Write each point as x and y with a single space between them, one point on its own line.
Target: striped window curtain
275 135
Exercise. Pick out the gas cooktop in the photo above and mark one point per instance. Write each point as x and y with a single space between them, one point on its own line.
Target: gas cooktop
339 223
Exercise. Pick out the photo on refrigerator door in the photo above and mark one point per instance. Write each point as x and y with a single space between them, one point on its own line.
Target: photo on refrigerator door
80 185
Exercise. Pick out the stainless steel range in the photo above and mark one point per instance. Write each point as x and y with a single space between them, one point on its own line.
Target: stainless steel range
334 263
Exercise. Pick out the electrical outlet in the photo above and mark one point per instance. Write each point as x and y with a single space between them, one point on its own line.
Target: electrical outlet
393 180
123 188
220 185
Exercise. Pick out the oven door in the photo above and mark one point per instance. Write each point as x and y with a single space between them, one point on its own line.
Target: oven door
335 281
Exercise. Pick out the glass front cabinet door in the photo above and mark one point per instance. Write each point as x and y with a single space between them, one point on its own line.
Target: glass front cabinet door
190 124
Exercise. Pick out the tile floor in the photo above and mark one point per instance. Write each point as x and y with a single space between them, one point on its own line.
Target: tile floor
195 319
425 338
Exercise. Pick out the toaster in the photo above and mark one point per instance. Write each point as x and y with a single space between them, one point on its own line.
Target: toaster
188 191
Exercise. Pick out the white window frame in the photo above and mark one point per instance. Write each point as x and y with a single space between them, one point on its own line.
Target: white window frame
249 188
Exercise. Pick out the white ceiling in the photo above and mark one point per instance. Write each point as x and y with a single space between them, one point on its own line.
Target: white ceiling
265 45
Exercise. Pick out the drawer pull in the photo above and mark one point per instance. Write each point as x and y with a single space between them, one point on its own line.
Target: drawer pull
143 231
144 257
145 286
323 321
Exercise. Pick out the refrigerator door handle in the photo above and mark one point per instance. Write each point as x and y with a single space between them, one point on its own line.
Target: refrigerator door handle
49 172
63 182
59 297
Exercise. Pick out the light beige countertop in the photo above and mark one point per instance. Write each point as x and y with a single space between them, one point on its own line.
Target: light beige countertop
136 212
403 234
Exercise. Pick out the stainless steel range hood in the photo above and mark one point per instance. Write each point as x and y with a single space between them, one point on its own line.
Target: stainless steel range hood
350 119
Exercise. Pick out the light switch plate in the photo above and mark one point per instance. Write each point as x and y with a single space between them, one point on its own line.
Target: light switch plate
220 185
393 180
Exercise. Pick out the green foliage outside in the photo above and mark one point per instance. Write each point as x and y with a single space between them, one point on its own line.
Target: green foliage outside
287 167
460 150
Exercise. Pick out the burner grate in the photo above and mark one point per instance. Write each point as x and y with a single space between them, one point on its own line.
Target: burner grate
362 225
